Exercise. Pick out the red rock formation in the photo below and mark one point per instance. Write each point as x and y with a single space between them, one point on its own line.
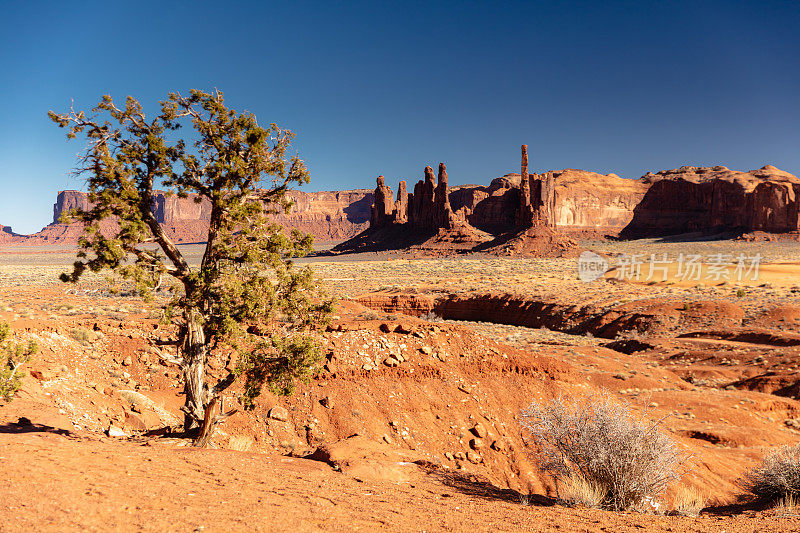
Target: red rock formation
536 199
421 214
401 205
328 216
592 203
524 217
66 201
443 213
715 199
383 207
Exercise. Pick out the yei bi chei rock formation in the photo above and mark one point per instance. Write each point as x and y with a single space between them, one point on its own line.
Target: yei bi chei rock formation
505 217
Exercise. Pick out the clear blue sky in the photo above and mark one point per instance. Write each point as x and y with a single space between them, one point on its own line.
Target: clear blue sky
386 88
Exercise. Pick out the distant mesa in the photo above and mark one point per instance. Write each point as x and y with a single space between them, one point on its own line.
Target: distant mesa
328 215
518 213
714 200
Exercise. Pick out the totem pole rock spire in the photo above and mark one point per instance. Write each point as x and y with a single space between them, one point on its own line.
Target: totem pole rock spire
525 211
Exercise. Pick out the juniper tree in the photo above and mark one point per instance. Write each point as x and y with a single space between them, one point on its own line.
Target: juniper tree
12 356
246 282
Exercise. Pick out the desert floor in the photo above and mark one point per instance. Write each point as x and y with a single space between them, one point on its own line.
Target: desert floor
429 363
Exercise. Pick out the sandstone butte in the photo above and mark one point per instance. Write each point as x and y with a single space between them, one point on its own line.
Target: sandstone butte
518 212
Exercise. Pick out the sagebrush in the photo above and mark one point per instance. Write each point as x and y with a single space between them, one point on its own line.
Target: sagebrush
596 442
777 478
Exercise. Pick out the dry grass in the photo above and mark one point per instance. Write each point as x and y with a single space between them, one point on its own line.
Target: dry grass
83 335
789 504
240 443
597 441
574 490
689 501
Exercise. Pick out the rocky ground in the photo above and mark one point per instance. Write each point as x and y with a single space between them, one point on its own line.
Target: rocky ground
413 421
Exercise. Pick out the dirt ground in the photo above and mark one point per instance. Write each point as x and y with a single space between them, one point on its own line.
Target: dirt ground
428 365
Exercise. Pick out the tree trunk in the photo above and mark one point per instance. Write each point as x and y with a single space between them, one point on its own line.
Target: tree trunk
194 366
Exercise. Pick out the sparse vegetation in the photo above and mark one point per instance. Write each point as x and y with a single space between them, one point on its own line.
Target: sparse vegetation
596 447
369 315
83 335
430 316
12 356
777 478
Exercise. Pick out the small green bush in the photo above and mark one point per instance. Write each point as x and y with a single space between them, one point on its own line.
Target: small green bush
12 357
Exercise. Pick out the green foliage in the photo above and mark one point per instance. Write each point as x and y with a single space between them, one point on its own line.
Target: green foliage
12 357
246 281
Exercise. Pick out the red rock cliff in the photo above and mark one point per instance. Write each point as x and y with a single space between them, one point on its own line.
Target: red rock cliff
712 199
332 215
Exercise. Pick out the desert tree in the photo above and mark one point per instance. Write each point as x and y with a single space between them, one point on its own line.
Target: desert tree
246 299
12 356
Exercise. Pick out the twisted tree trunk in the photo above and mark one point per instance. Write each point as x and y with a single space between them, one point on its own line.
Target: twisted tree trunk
195 353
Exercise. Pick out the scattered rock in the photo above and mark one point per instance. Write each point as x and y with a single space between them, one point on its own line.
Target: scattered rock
114 431
279 413
474 457
499 446
479 430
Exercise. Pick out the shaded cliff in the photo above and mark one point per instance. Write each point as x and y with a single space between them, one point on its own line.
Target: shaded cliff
716 199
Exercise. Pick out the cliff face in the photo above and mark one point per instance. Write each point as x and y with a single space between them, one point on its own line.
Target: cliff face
326 215
712 199
592 202
67 201
569 200
669 202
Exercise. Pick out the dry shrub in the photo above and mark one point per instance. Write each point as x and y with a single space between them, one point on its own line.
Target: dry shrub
12 356
597 442
430 316
777 477
83 335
